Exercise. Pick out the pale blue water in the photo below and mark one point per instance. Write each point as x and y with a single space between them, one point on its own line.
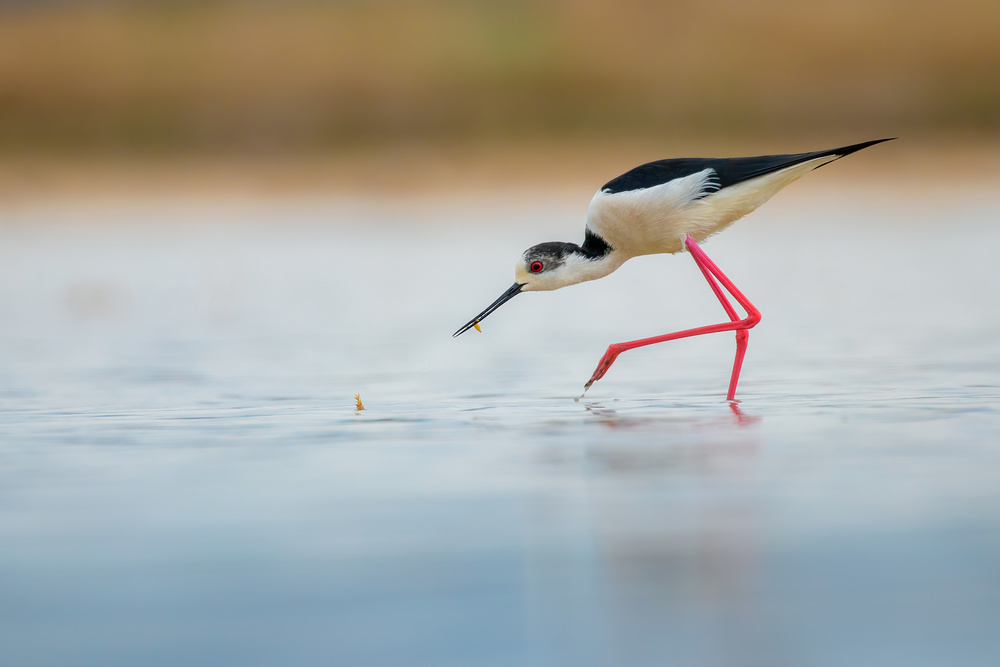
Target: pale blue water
184 480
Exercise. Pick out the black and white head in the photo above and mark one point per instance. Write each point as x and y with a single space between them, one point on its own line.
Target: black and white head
549 266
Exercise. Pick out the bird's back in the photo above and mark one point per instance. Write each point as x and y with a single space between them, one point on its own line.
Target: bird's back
728 171
652 208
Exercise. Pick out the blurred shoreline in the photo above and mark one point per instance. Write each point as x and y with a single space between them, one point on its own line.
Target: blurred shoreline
418 171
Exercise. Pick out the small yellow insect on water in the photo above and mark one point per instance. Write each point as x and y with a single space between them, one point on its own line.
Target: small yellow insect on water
476 325
359 406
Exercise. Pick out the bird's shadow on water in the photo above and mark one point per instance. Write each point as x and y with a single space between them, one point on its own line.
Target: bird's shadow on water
737 415
651 437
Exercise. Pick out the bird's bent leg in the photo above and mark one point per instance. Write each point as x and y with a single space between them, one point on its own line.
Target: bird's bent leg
740 326
708 268
705 271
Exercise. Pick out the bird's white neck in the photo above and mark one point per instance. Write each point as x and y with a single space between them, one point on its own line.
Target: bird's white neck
580 268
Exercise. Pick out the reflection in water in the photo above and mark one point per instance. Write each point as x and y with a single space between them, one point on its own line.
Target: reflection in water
742 419
665 564
610 417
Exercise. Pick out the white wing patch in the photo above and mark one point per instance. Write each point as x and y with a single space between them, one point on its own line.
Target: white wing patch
650 220
657 219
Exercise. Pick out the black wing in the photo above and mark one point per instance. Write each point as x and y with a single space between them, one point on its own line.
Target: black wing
728 171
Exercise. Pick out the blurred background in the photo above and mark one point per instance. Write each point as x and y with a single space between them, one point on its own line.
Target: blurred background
219 221
389 94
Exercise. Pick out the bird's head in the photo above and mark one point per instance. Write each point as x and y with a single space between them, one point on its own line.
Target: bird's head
543 267
549 266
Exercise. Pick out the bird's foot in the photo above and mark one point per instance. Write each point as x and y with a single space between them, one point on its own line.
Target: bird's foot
603 365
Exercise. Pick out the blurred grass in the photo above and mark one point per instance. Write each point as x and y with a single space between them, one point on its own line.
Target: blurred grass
316 76
380 85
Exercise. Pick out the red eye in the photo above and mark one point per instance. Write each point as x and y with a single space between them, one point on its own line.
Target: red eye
536 267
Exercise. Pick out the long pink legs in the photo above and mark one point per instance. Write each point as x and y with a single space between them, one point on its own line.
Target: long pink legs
740 326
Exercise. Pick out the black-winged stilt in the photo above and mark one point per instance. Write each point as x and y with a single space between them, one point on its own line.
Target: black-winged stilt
666 206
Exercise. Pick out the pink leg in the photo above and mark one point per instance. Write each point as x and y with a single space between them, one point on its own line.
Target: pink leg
740 326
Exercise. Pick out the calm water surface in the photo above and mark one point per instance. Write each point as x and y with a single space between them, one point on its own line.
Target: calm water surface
184 479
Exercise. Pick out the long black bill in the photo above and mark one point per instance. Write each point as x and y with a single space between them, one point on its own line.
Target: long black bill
514 290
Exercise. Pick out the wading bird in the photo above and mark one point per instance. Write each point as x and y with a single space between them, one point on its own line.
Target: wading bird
666 206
